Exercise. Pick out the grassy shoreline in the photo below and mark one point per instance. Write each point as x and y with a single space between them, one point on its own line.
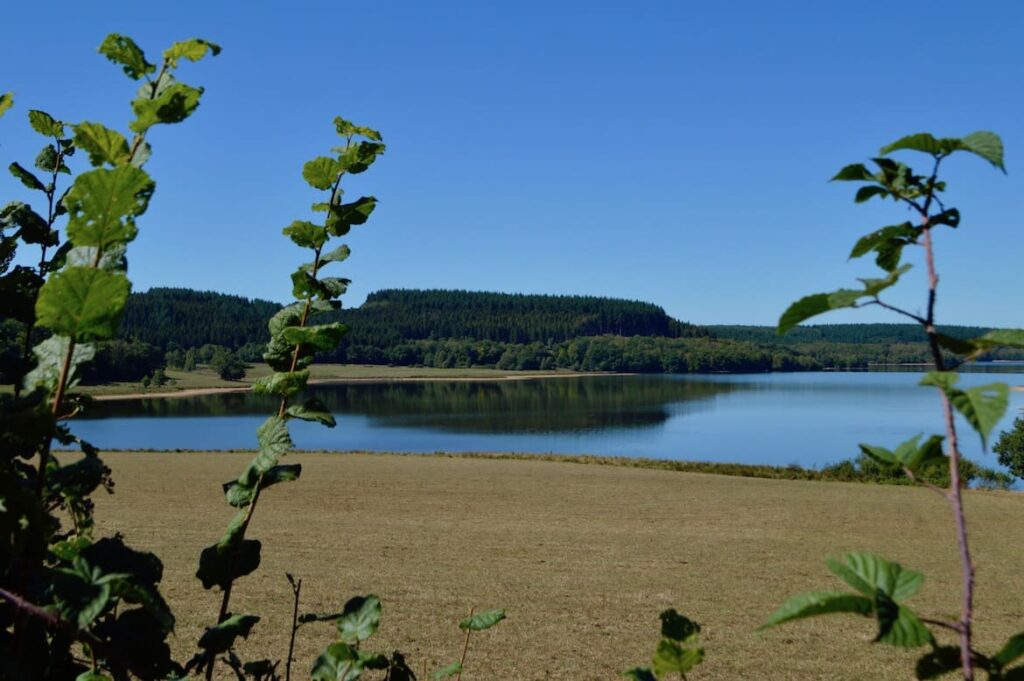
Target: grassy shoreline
583 557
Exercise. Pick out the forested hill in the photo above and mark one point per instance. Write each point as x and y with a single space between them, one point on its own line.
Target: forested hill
166 316
841 333
394 315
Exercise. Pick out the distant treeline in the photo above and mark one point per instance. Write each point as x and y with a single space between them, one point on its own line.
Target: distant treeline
438 328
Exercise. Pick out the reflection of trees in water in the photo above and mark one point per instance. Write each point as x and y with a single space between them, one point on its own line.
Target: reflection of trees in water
563 404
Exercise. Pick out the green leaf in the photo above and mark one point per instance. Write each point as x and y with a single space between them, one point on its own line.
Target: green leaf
447 672
26 177
103 204
1003 338
982 406
678 627
193 49
282 383
855 172
102 144
358 157
870 575
347 129
819 603
273 435
338 662
887 243
987 145
306 234
898 625
816 304
221 564
175 103
83 303
337 255
6 102
123 50
45 124
670 658
322 172
50 356
908 453
639 674
482 621
1010 651
312 410
924 142
221 637
865 193
48 161
341 217
321 336
92 676
359 619
240 496
872 287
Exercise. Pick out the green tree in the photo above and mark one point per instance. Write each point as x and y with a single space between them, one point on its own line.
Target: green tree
228 365
1010 448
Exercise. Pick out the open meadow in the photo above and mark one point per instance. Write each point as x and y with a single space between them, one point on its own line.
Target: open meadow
582 557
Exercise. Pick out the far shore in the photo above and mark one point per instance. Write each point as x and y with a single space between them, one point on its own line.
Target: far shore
383 378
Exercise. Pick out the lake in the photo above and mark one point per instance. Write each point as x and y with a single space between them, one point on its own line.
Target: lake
810 419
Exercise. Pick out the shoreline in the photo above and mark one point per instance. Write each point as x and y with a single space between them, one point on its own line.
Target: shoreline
200 392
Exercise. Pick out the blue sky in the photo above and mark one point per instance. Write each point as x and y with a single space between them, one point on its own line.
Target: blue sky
672 152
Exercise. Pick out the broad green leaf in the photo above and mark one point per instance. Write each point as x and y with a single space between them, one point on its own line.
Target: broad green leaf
447 672
322 172
937 662
908 453
102 144
855 172
306 234
273 435
26 177
49 161
1003 338
359 619
347 129
321 336
312 410
870 575
220 565
282 383
982 406
482 620
193 49
103 204
887 243
670 658
866 193
678 627
987 145
50 356
816 304
86 256
1010 651
342 217
639 674
83 303
339 662
6 102
123 50
898 625
337 255
820 603
924 142
175 103
358 157
45 124
240 496
221 637
872 287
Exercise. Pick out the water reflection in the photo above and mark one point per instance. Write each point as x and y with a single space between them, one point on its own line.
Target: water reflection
528 406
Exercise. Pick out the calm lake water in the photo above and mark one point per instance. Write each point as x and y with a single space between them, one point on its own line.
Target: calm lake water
811 419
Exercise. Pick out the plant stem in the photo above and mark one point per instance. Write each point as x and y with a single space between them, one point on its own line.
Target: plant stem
955 494
295 627
465 647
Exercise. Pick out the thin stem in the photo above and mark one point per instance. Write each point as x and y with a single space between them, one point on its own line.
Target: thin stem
938 490
897 310
465 647
296 588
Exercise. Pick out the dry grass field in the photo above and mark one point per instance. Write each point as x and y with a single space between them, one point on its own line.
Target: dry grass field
582 557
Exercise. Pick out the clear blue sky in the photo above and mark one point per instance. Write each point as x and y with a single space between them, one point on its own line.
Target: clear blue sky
675 152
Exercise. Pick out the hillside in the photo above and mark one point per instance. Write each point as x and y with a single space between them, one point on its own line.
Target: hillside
840 333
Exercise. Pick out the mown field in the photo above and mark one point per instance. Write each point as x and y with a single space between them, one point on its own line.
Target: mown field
583 557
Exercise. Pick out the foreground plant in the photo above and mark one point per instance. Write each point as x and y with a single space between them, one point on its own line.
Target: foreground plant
675 653
75 603
882 586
